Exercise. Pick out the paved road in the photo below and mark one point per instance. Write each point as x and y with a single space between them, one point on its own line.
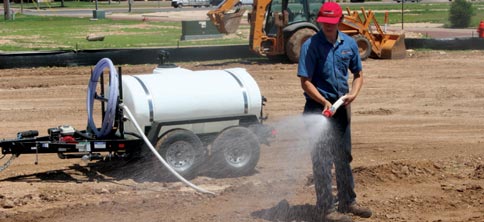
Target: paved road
88 12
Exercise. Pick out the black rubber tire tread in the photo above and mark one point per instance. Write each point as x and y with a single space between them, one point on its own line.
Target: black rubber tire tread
295 41
181 135
364 46
238 138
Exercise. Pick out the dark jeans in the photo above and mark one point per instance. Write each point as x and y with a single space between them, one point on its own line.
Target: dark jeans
332 147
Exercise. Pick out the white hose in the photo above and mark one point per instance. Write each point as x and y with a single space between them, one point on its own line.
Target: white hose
147 141
110 112
331 111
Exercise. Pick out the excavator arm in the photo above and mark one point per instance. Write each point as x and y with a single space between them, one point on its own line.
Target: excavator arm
226 17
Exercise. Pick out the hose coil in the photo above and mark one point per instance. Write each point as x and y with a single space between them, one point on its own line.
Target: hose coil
112 99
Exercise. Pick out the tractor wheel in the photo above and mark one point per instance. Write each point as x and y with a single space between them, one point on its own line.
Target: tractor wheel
235 152
364 46
294 43
183 151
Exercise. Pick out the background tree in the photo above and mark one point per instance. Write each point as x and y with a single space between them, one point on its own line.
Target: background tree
460 14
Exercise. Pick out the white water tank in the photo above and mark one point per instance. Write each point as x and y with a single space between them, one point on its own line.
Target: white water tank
177 94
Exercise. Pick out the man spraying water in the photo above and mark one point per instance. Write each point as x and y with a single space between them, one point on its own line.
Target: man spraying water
323 68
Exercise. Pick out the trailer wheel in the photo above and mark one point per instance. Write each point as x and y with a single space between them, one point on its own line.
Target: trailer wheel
364 46
183 151
294 43
235 152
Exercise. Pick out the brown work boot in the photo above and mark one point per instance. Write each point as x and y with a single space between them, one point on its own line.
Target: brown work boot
335 216
357 210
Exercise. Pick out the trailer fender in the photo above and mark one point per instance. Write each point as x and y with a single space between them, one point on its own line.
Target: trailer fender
288 30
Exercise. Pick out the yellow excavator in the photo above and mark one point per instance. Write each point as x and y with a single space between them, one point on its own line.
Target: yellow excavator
279 27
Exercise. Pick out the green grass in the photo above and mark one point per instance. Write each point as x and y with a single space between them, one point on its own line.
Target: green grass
92 5
27 33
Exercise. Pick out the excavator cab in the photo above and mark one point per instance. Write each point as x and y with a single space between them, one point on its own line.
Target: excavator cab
296 11
288 24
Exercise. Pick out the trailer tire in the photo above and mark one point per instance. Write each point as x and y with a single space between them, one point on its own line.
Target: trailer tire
364 46
235 152
183 151
295 41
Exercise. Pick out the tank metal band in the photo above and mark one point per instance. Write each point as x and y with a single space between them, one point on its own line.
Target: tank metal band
244 92
148 96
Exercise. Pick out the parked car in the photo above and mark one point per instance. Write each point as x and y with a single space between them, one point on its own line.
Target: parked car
398 1
243 2
194 3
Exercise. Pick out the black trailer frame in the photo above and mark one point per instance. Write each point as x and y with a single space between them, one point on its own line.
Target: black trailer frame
27 142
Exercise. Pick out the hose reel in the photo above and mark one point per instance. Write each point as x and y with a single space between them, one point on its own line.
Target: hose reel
109 113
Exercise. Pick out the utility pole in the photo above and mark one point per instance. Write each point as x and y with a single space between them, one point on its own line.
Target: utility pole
6 10
402 12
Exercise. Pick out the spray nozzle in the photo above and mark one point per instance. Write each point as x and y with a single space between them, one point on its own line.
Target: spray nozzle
331 111
328 113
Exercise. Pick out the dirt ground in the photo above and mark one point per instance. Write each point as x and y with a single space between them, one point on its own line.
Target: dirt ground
418 148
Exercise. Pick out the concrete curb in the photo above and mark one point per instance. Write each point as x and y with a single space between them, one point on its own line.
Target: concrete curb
446 44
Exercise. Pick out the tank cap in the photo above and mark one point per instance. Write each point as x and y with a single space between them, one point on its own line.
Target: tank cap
163 56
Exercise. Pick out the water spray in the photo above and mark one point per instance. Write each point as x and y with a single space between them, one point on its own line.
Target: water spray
331 111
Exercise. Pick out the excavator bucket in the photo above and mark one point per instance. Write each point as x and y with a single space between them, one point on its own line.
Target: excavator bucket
393 47
227 23
232 21
383 45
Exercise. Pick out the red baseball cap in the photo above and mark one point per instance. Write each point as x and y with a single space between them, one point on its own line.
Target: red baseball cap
330 12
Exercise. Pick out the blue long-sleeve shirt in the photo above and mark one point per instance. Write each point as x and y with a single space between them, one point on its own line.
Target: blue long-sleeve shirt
327 65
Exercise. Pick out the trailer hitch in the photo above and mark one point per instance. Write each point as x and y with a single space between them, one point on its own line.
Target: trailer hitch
9 161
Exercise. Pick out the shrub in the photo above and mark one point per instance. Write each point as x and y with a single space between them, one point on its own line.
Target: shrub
460 14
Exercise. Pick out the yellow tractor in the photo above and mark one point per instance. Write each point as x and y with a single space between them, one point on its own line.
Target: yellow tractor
280 27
